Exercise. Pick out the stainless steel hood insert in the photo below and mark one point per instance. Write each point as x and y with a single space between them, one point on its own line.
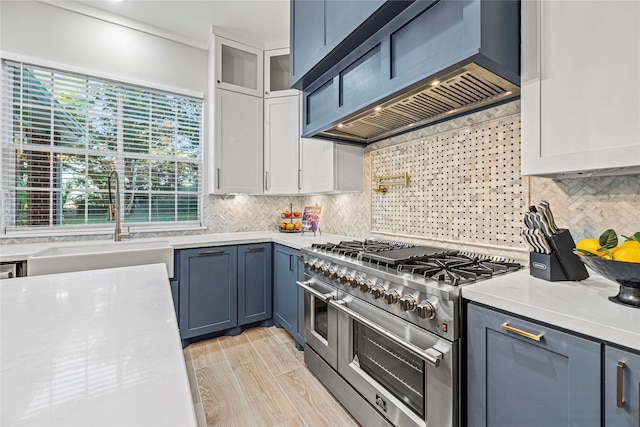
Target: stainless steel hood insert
468 88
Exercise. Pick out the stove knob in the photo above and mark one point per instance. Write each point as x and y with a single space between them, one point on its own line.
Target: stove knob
408 303
356 282
392 296
346 278
377 292
336 275
324 269
366 286
328 271
317 266
308 265
426 310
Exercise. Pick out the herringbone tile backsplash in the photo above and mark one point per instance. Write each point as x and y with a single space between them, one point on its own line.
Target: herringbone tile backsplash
589 206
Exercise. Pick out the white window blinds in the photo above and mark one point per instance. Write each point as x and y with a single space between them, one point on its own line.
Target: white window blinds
63 133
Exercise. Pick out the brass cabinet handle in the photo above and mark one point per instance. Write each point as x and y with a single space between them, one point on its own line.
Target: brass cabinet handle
299 255
219 251
529 335
619 388
255 248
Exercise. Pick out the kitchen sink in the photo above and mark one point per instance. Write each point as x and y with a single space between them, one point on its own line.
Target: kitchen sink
63 259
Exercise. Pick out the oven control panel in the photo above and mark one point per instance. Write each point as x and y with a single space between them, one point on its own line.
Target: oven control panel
397 297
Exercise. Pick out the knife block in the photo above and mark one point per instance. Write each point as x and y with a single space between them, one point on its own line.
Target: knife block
561 264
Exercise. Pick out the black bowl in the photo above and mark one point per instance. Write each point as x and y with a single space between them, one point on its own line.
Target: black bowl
627 274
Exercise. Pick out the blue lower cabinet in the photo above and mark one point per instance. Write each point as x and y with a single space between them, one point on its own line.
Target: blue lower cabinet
255 298
208 290
521 373
287 264
621 388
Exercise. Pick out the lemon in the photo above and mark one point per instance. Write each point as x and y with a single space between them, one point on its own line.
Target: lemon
628 253
590 244
290 226
630 244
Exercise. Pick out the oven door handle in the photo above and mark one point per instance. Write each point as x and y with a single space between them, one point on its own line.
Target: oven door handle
431 355
307 288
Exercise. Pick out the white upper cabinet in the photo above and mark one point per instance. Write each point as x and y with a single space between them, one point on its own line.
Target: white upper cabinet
328 167
238 144
580 87
239 67
276 73
281 145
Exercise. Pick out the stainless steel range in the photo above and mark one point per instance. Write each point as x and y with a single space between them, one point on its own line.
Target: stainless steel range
383 325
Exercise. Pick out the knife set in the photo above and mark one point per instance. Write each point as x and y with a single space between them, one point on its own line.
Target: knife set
551 248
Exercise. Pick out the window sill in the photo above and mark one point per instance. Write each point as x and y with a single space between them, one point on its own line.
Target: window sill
101 231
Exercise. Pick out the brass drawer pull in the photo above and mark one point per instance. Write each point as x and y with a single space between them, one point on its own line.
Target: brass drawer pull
619 388
255 248
529 335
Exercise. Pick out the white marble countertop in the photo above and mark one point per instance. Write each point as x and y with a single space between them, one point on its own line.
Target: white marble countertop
22 251
582 306
95 347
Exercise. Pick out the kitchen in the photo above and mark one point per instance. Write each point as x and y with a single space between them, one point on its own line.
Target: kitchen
467 185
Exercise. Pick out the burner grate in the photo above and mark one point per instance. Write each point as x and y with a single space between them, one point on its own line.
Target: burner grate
458 268
394 257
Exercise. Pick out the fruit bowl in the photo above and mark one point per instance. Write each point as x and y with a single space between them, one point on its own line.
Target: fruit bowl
626 274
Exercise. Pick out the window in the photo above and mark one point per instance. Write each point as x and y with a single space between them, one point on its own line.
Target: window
63 133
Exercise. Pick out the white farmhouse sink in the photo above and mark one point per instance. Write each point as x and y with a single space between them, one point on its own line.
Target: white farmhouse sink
63 259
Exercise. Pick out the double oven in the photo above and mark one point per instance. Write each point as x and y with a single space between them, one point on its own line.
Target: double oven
398 368
385 341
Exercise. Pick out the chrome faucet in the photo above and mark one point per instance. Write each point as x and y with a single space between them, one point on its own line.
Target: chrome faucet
117 234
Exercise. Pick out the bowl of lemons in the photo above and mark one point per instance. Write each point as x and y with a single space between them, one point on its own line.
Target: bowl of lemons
615 260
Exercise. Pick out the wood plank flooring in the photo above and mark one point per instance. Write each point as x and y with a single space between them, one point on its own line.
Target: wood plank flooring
258 378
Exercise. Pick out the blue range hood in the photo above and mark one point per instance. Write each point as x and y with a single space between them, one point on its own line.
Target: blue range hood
432 62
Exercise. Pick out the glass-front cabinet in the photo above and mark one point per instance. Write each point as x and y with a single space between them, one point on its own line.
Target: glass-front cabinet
239 67
276 74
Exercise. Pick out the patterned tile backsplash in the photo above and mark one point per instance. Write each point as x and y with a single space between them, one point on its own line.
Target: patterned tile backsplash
589 206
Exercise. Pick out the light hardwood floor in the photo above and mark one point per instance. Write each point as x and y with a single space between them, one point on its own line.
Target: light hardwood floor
258 378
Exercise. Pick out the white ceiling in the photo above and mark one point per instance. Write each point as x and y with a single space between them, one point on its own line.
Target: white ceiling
262 21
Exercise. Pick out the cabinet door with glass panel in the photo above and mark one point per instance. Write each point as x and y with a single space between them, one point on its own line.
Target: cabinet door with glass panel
276 74
239 67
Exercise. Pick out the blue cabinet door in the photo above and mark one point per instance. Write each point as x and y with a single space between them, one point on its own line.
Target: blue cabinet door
621 388
254 283
324 31
515 380
285 290
208 290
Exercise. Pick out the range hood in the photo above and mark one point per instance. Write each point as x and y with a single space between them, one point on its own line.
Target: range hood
464 90
437 59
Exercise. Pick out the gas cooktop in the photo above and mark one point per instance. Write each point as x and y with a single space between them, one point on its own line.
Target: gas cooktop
446 266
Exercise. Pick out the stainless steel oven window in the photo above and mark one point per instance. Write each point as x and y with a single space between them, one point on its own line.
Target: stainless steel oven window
399 371
321 318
